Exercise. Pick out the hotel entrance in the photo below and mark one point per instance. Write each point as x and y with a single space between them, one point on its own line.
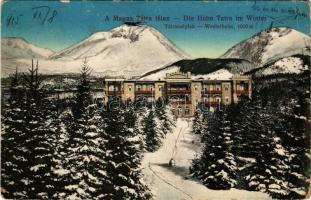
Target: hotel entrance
181 111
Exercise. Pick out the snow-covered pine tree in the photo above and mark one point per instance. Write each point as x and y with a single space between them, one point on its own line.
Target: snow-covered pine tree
162 115
245 129
133 122
197 122
45 142
131 116
268 172
243 140
216 167
27 145
142 114
13 155
197 166
207 121
42 135
84 159
123 156
293 136
65 119
153 137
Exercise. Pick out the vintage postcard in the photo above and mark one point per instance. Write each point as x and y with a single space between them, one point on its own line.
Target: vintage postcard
164 100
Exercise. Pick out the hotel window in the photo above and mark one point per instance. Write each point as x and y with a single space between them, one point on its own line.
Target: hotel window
226 87
195 87
187 111
111 88
160 88
218 99
174 111
130 88
138 87
227 99
150 87
218 87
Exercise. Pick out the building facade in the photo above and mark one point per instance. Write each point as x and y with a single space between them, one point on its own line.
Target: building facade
182 93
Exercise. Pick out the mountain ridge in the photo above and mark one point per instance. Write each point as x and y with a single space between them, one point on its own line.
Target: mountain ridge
141 50
133 33
275 47
18 43
201 66
125 50
270 45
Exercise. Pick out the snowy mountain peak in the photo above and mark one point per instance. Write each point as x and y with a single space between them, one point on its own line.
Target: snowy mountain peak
127 48
97 36
129 32
271 45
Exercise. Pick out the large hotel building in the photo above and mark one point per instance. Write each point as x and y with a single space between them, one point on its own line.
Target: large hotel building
180 91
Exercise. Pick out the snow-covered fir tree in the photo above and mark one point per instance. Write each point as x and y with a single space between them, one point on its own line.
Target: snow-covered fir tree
268 172
64 120
216 167
85 156
13 155
141 114
131 116
28 141
197 122
261 136
291 128
123 155
151 132
163 116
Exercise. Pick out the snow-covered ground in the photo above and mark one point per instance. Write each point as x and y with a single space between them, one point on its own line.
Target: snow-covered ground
222 74
288 65
174 183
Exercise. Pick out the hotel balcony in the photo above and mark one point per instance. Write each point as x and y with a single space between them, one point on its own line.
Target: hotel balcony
211 92
212 103
241 92
115 93
144 92
172 92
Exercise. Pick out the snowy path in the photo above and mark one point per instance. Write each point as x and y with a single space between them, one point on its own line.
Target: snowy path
170 183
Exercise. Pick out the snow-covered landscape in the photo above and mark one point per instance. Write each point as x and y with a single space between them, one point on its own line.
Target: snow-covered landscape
221 74
269 52
271 45
174 182
144 49
287 65
121 112
141 48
